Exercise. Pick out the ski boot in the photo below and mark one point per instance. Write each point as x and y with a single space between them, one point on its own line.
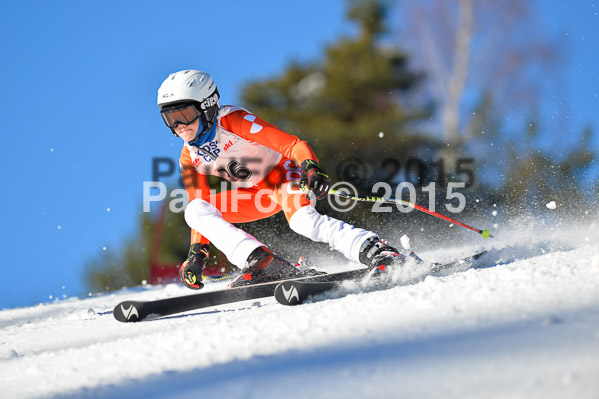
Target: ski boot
378 256
263 265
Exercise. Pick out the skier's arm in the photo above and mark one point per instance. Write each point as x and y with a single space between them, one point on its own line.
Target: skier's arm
250 127
196 186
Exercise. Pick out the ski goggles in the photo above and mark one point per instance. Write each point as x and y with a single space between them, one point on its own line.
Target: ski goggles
184 114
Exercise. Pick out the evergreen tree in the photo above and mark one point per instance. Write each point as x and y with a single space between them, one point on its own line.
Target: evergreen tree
344 103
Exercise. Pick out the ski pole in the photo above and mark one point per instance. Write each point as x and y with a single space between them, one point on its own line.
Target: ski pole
390 200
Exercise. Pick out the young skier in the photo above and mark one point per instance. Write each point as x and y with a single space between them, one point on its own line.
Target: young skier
270 171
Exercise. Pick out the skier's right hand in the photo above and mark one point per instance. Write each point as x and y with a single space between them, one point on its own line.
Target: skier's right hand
191 270
314 180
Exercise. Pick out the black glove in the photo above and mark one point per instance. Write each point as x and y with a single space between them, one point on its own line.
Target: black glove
191 270
314 179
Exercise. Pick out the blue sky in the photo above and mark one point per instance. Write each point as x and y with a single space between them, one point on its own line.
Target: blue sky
80 81
81 125
577 23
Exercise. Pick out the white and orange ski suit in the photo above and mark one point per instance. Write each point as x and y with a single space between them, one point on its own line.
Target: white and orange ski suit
262 162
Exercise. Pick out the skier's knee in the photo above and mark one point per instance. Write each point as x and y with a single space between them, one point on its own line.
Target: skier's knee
199 209
322 228
304 221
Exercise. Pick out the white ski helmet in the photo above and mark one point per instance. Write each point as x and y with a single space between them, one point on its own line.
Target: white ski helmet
184 88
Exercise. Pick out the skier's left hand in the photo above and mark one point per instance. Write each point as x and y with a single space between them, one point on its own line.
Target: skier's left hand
314 179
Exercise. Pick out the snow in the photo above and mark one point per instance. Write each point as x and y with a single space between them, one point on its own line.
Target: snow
523 324
405 241
551 205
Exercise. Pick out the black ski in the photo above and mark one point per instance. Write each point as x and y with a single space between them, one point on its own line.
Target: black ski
442 267
132 311
295 292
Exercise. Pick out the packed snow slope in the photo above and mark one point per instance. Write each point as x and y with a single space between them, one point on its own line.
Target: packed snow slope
523 324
